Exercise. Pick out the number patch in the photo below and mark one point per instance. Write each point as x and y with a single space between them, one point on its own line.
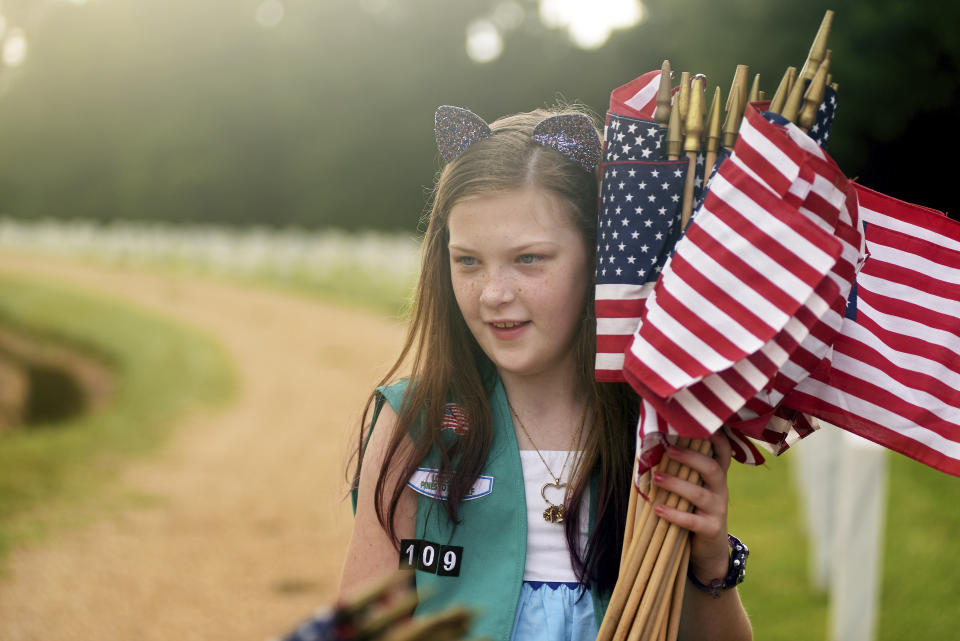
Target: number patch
426 556
450 556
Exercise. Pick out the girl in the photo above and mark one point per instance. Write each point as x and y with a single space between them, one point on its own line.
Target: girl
500 470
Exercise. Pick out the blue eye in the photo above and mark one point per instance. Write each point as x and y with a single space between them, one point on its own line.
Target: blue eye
528 259
466 261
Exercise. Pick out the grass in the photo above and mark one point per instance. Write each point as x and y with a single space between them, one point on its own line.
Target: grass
765 513
921 576
66 462
161 370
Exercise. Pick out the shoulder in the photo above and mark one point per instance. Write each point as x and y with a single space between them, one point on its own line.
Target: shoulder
393 394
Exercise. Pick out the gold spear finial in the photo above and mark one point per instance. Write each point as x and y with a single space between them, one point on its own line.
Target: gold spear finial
662 114
731 125
755 89
674 137
819 47
694 120
714 131
783 90
703 103
814 95
683 99
739 83
691 145
791 108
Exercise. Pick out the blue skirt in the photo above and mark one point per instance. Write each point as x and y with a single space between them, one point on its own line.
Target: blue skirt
554 612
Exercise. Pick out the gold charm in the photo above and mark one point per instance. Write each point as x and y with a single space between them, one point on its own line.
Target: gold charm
554 513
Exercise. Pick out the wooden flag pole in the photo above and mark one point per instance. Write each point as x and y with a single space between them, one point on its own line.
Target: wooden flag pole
673 625
663 577
638 546
648 554
631 513
672 550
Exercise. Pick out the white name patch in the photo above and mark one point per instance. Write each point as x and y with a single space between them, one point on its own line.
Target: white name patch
425 481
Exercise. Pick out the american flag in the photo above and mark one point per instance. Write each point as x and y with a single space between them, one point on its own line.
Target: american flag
639 223
762 417
455 418
639 218
747 284
895 373
627 138
637 98
701 184
820 129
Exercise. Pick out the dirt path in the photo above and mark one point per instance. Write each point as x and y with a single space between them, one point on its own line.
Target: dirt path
247 531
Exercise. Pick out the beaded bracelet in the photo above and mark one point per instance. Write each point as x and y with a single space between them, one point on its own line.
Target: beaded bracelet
736 570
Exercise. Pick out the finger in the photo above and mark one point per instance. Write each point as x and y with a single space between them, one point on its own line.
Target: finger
709 527
722 449
702 498
709 469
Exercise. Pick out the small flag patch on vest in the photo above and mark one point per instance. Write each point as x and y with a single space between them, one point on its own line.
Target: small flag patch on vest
455 418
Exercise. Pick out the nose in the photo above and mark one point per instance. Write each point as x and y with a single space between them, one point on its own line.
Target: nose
498 289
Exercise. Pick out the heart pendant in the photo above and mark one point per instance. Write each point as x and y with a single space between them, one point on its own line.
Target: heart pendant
554 513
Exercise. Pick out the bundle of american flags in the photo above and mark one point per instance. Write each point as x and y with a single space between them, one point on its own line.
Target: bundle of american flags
793 295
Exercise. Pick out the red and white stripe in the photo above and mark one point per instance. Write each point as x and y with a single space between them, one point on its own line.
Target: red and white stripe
619 309
637 98
759 417
757 280
752 300
895 373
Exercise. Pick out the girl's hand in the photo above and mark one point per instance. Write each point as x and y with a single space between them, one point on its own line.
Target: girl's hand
709 553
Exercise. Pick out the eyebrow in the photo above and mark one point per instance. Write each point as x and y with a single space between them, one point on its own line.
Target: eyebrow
518 248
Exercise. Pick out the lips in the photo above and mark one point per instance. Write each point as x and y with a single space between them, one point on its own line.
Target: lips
506 330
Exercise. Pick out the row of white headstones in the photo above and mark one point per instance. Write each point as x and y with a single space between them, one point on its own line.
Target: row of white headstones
280 253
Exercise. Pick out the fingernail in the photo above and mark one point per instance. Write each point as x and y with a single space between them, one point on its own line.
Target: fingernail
658 509
657 477
672 449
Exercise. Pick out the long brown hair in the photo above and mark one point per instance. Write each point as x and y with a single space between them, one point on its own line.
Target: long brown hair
440 349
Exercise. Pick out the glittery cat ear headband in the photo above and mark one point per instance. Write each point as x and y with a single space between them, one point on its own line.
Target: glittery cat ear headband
573 135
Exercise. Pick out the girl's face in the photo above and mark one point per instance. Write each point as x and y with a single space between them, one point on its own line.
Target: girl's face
520 277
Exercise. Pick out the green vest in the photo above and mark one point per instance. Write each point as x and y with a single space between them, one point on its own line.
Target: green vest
492 532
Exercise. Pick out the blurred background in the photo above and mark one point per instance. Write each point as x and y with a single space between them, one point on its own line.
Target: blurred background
318 114
290 144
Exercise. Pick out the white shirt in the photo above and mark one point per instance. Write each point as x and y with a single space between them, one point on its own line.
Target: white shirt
547 556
